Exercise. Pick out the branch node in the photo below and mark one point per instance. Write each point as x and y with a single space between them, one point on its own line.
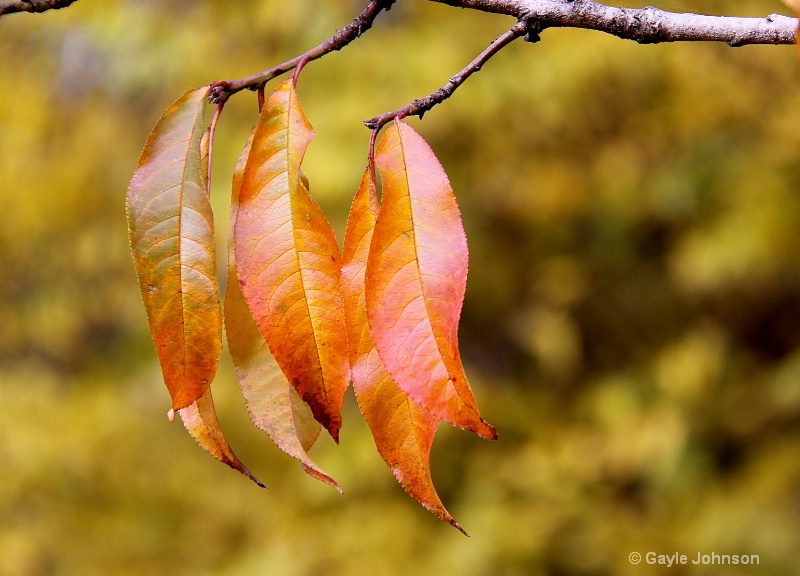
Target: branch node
533 27
218 93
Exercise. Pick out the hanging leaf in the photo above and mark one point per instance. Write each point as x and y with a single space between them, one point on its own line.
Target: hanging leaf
200 420
403 430
272 403
172 240
794 5
288 261
416 278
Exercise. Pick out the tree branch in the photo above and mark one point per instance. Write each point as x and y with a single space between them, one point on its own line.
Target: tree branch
221 91
421 105
645 25
33 6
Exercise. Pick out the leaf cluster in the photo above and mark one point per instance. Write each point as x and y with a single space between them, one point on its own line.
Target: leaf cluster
301 320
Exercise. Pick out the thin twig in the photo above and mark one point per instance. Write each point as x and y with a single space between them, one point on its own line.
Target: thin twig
646 25
420 106
33 6
221 91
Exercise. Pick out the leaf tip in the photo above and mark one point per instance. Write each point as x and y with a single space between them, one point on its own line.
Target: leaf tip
331 423
458 527
487 431
319 475
439 511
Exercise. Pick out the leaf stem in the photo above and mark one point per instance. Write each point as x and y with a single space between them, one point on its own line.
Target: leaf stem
372 138
222 90
420 106
212 129
299 68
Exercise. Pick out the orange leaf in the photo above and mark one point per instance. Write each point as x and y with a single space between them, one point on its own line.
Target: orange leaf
288 261
172 240
403 430
272 403
416 278
793 4
200 420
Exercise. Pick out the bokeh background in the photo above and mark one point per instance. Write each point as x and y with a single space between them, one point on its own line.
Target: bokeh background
632 322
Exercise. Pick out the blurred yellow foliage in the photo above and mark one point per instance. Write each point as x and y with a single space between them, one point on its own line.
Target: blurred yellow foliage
632 323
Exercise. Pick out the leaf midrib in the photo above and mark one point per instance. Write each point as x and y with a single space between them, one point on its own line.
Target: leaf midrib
181 239
413 233
296 186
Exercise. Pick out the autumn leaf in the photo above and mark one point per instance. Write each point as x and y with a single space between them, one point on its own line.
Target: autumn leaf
288 261
200 420
272 403
403 430
172 241
793 5
416 279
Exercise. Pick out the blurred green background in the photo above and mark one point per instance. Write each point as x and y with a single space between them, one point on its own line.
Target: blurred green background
632 322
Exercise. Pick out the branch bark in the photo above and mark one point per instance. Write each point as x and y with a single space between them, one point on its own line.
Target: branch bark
222 90
645 25
33 6
420 106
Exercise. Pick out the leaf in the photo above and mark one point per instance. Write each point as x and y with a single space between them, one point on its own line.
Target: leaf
416 278
793 5
172 241
403 430
200 420
288 261
272 403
